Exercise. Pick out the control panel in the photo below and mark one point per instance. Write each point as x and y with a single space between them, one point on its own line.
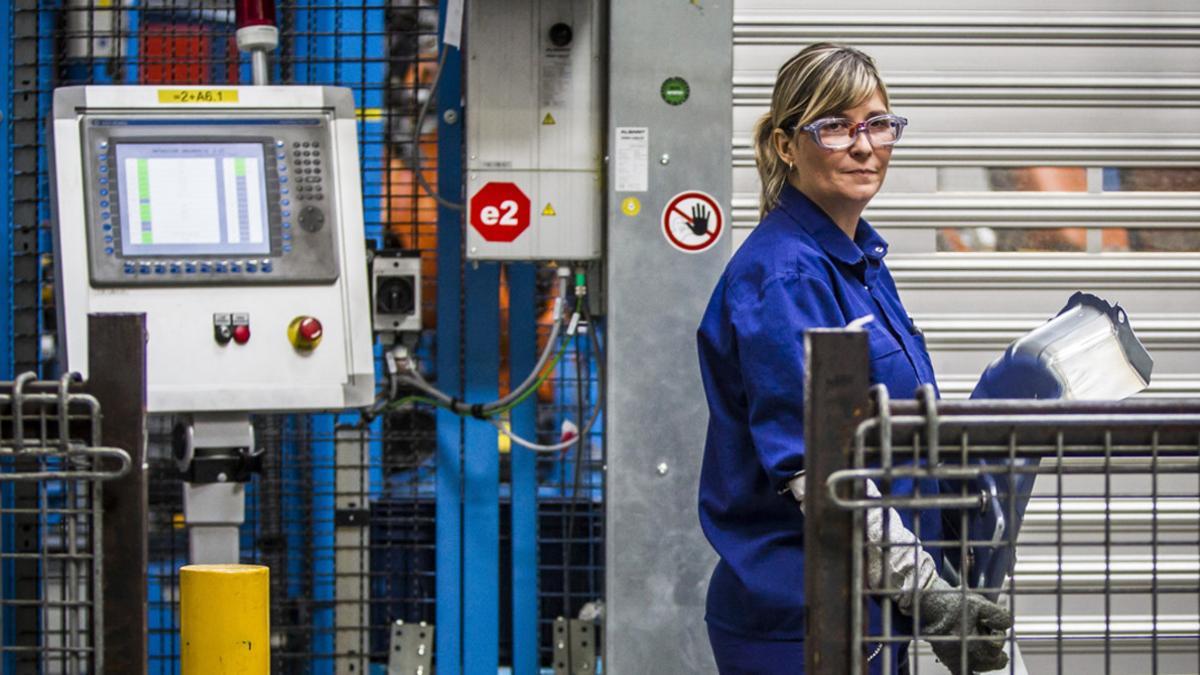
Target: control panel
170 202
233 221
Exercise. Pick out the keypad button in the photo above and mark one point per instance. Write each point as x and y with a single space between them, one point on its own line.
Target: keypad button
287 248
107 227
103 169
104 192
108 250
103 180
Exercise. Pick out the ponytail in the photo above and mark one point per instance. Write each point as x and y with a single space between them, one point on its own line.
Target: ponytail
772 170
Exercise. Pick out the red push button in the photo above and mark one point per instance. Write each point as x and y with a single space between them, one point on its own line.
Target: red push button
241 334
305 333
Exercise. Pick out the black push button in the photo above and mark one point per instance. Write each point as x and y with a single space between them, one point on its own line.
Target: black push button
311 219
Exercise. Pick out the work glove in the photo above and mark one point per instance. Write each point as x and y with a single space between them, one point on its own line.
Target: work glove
942 615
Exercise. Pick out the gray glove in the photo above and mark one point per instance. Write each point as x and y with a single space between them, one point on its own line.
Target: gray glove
942 614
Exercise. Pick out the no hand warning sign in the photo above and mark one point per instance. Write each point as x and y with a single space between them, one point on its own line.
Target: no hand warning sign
500 211
693 221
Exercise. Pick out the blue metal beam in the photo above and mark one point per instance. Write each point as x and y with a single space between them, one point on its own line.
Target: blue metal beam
449 426
522 332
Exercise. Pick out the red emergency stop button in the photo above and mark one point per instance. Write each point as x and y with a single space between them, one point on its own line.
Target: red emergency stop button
241 334
305 332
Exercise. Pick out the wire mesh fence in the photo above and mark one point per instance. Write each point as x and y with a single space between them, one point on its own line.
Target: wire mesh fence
52 466
1080 520
341 574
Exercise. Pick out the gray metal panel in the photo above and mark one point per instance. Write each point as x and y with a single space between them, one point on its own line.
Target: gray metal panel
657 561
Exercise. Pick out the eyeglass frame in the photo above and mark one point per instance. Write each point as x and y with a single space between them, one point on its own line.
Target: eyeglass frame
813 128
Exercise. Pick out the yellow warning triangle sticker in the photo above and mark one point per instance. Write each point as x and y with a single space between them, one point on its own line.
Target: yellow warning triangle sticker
549 210
548 120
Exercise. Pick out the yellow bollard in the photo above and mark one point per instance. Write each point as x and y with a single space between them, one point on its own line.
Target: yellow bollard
225 619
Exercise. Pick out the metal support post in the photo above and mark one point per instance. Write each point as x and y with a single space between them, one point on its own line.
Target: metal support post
117 352
449 336
352 551
225 621
522 331
835 399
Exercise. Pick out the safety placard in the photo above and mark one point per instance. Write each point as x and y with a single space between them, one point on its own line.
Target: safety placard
500 212
693 221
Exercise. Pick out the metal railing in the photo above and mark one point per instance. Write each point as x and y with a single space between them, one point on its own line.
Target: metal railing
52 465
1104 572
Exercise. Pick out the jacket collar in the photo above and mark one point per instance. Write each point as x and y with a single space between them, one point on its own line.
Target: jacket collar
867 242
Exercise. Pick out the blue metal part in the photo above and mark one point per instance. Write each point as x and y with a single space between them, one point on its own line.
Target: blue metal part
522 340
132 46
448 652
481 489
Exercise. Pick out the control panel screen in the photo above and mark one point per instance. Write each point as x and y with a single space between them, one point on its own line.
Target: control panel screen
192 199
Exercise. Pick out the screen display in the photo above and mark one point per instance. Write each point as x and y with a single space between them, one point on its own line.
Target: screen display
192 199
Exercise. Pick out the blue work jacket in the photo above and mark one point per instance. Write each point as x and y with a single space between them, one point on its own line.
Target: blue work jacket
794 272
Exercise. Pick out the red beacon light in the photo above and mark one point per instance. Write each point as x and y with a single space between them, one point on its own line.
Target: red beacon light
256 33
254 13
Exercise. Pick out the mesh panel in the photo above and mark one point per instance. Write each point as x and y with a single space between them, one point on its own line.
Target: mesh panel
309 498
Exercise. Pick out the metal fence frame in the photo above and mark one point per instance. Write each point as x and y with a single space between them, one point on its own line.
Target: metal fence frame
853 435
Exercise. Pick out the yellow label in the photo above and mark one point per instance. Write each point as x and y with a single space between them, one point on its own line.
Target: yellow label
369 114
197 96
631 206
549 210
548 120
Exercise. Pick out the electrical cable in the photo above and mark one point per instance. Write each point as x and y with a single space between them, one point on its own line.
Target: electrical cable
416 152
539 374
536 447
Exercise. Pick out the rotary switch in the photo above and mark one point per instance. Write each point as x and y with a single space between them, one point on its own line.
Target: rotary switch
305 333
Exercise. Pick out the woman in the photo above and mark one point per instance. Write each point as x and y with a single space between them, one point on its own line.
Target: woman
822 152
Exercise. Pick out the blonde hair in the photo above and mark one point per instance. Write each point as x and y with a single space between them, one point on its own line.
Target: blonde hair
822 79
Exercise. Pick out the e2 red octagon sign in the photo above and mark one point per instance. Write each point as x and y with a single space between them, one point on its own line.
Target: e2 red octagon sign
500 212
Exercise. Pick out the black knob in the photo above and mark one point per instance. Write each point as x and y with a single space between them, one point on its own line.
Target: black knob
311 219
561 35
396 295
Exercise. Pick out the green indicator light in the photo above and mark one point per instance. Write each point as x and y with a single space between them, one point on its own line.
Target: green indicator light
239 166
675 90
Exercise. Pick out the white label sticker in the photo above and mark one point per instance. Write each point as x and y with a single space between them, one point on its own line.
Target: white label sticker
452 36
633 159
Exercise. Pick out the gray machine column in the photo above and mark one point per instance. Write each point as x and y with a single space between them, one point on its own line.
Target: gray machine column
216 453
657 560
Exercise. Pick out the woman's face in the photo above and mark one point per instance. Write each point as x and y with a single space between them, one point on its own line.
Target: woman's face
841 179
